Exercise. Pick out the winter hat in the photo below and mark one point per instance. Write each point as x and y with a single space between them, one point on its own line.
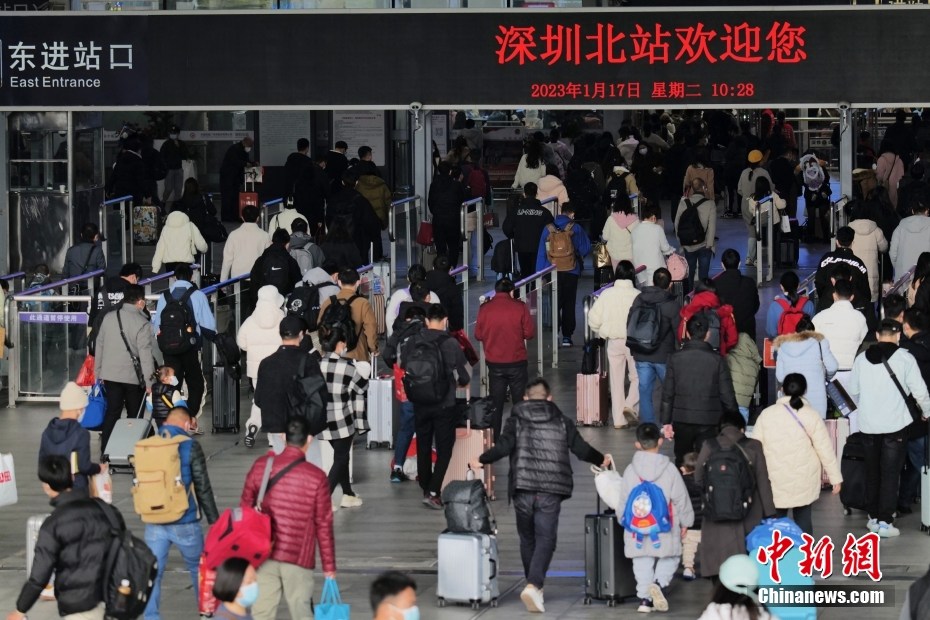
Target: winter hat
72 397
755 156
270 294
291 326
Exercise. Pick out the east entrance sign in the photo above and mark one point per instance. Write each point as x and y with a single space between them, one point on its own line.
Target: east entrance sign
868 56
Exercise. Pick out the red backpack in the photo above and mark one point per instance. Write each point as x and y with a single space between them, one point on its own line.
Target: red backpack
477 181
791 315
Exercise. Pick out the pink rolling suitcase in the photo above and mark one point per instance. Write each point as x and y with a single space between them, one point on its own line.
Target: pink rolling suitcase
470 444
592 400
838 430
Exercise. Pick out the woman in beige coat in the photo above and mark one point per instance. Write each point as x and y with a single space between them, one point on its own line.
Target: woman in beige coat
796 446
868 244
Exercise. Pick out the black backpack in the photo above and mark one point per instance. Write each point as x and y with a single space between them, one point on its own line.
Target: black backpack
177 331
729 483
644 328
128 559
502 258
307 397
713 328
690 229
304 302
276 271
467 507
339 312
425 378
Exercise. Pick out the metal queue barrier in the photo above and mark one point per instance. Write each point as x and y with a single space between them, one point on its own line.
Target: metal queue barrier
227 310
838 219
411 209
901 285
478 203
11 278
266 213
556 207
462 270
114 217
544 277
147 283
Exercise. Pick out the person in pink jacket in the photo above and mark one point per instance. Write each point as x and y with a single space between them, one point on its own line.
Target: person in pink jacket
889 170
551 186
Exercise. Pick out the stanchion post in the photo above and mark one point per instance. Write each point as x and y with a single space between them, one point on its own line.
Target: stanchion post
479 242
555 318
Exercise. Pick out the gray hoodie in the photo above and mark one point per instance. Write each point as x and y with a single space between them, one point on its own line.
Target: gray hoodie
658 469
910 239
307 254
319 277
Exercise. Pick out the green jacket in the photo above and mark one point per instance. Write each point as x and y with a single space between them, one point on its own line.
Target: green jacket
743 361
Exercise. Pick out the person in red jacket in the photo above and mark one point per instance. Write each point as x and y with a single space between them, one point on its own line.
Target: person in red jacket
705 298
504 325
301 512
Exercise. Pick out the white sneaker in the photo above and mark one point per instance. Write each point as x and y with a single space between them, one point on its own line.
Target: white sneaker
688 574
886 530
48 593
533 599
872 525
350 501
658 597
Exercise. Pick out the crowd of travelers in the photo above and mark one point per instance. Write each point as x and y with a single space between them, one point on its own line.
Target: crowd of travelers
311 364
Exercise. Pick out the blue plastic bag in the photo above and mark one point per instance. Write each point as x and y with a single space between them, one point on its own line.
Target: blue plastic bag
331 606
96 408
761 535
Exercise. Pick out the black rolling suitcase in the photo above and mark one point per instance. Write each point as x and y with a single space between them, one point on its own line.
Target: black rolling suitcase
852 466
608 573
225 401
789 246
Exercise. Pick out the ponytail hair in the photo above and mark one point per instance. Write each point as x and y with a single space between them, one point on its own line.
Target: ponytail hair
795 386
790 283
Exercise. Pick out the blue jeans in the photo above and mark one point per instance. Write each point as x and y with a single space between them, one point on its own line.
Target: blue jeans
188 537
404 434
648 371
699 259
744 411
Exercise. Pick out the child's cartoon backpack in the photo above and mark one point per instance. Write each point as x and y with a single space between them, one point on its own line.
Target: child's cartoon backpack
647 513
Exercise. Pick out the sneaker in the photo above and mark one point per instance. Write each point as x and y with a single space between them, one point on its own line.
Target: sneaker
631 418
872 525
250 434
749 262
688 574
197 430
658 597
533 599
433 501
350 501
645 606
566 342
48 593
619 427
886 530
398 475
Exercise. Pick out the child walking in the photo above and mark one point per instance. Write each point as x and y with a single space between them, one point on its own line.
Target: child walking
692 539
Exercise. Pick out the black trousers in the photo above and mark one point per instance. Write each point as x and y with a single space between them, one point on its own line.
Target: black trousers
434 423
187 368
501 377
538 528
339 472
568 295
884 456
448 243
119 396
690 438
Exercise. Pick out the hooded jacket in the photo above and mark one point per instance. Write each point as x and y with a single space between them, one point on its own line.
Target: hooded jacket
881 407
242 249
743 362
808 354
739 291
845 328
618 234
504 325
195 477
300 508
525 224
284 219
276 375
307 254
579 239
707 212
610 311
827 268
708 300
376 191
538 437
398 297
670 309
868 243
62 437
659 470
650 248
180 242
551 187
259 336
797 448
257 275
320 278
697 386
525 174
73 544
910 239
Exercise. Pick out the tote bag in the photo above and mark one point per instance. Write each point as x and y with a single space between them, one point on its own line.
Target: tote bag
331 606
8 495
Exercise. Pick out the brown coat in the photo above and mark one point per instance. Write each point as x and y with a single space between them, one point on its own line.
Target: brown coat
364 317
721 540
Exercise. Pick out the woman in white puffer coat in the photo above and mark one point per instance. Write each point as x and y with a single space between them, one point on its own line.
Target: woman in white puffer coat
259 337
868 244
180 242
797 447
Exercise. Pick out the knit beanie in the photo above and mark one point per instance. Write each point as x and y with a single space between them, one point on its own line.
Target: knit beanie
72 397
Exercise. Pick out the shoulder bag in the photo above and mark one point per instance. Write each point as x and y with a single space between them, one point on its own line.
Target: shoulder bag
913 408
136 362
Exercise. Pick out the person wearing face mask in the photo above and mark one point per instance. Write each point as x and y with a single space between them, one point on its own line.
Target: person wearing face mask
185 533
236 586
165 396
64 435
232 176
174 151
393 596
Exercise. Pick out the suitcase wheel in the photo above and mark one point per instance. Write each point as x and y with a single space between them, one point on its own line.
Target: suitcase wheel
475 605
847 511
586 601
441 602
611 602
213 431
494 602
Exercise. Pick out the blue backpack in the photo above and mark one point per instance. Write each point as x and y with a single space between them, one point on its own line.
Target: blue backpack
647 513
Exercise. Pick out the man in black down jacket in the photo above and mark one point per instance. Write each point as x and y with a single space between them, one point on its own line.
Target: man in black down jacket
739 291
916 341
538 437
696 391
446 195
72 543
274 258
525 225
358 216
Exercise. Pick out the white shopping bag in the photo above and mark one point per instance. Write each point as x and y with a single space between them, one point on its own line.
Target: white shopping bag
189 169
608 483
101 486
8 495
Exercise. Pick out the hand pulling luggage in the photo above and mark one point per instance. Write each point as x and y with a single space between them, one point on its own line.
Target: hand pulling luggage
469 445
468 569
838 430
380 413
852 466
122 443
226 407
145 224
608 573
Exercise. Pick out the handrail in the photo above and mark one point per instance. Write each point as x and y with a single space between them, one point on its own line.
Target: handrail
458 270
556 208
13 276
65 282
902 283
113 201
264 211
478 203
365 268
403 206
147 282
601 290
397 203
835 211
808 284
215 287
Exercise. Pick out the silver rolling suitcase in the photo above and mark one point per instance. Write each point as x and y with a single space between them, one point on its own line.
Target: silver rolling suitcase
122 443
925 492
380 413
33 525
467 569
225 401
